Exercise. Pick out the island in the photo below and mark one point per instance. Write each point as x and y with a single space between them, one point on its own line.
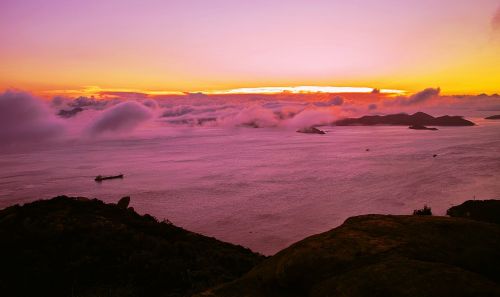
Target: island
420 127
311 130
69 113
403 119
493 117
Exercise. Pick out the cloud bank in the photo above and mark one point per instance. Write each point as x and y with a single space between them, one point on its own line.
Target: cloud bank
418 98
123 117
25 119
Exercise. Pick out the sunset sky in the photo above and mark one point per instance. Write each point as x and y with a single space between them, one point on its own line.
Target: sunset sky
54 46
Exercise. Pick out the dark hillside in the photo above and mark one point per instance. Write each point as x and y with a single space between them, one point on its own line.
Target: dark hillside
80 247
379 255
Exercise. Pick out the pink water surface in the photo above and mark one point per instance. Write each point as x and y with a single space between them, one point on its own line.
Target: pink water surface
266 188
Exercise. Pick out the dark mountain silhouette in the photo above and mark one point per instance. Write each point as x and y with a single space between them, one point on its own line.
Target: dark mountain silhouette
80 247
493 117
403 119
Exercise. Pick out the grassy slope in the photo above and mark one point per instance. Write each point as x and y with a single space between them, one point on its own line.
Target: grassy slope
378 255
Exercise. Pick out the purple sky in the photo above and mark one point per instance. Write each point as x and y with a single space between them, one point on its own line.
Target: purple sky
222 44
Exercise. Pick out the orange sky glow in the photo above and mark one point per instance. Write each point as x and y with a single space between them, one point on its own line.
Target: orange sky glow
229 47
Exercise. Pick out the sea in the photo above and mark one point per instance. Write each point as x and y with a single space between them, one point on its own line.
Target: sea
265 188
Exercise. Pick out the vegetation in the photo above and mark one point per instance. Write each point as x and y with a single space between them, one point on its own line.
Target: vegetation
378 255
80 247
479 210
426 211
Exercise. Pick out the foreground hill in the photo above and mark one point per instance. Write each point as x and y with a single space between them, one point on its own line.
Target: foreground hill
479 210
80 247
403 119
377 255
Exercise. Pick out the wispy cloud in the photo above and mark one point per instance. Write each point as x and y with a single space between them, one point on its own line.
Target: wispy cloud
25 118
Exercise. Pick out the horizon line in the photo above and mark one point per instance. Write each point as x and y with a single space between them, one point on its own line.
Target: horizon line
96 90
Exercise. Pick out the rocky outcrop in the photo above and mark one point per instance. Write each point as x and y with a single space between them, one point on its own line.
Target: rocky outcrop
311 130
403 119
123 202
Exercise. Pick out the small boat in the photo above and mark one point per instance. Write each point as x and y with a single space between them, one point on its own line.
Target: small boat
100 178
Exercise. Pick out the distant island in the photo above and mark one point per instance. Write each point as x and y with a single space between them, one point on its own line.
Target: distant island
311 130
402 119
493 117
69 113
69 246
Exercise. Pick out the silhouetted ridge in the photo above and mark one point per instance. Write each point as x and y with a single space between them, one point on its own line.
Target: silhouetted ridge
403 119
80 247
